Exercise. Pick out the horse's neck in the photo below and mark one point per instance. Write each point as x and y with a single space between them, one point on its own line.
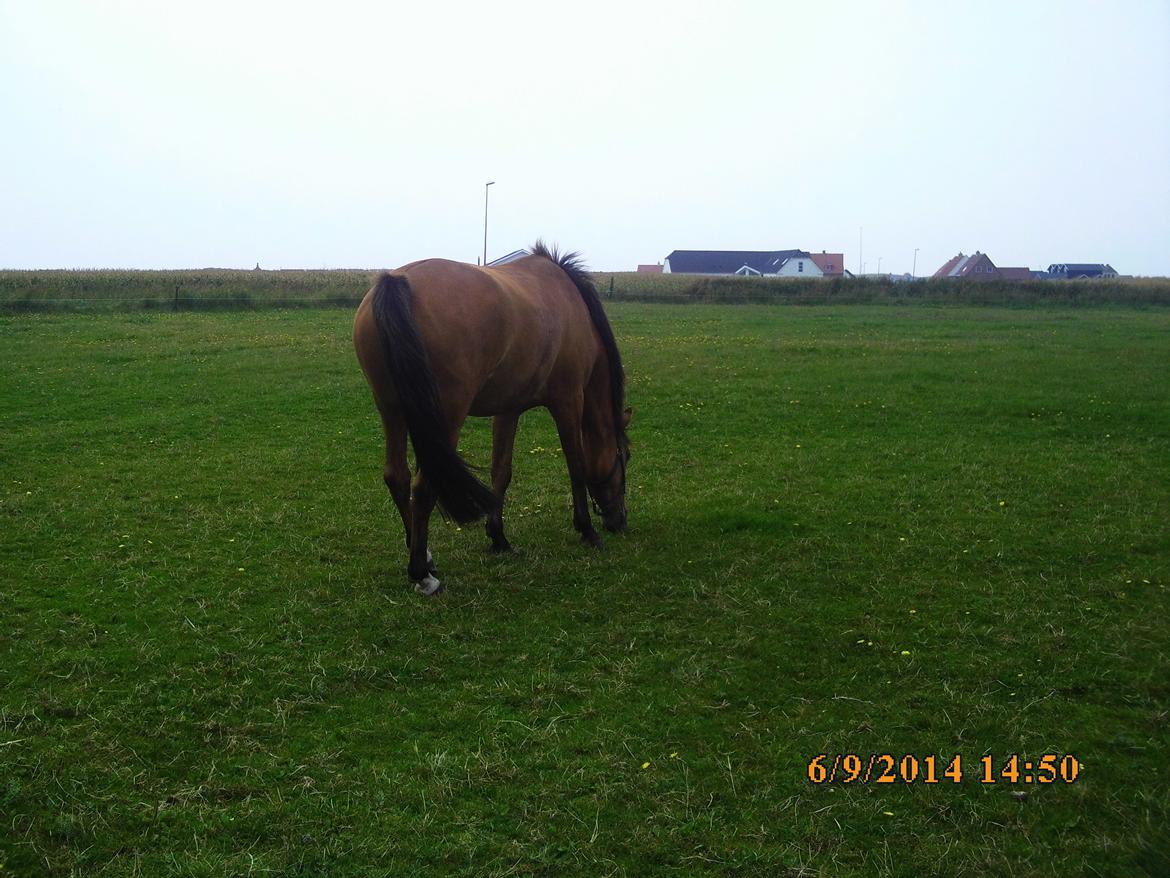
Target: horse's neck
598 421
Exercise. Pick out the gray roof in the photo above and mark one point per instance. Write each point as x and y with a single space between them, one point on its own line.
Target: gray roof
510 257
729 261
1079 269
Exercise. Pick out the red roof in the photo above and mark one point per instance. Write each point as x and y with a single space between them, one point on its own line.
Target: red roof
947 266
830 264
650 269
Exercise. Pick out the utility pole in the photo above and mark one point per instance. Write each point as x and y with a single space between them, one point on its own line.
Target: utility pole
860 249
914 270
485 206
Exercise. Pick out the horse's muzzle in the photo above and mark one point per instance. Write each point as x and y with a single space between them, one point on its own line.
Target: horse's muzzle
614 522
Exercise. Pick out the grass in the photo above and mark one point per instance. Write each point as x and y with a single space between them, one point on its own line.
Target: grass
685 289
853 530
181 290
222 289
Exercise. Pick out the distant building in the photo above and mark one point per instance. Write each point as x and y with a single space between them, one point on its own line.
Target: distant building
746 263
1015 273
830 264
654 268
978 266
1080 270
510 257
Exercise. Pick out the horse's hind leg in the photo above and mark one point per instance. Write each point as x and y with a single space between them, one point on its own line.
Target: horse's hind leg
396 473
421 568
503 441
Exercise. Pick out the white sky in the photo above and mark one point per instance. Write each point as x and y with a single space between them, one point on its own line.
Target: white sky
341 134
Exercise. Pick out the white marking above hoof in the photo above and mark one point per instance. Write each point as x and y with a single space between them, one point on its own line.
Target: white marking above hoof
428 586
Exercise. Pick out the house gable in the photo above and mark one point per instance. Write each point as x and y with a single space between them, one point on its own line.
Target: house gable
830 264
977 266
800 265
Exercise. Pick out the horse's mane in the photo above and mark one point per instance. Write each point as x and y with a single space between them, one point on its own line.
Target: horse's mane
573 265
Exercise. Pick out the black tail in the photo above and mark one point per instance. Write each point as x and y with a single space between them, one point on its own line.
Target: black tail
461 495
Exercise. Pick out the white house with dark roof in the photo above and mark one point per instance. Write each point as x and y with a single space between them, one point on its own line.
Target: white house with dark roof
1081 270
746 263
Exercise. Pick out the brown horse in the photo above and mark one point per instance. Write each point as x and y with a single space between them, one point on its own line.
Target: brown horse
441 340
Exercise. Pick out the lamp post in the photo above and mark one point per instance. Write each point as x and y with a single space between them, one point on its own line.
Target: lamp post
485 206
914 270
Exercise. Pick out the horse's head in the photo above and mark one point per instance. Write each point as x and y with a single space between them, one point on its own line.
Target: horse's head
609 491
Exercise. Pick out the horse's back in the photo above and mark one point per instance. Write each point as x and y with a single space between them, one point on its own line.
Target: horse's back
499 339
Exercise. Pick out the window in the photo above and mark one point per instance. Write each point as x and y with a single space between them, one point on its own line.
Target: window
800 266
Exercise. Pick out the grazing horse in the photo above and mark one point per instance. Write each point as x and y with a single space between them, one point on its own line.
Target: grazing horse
441 340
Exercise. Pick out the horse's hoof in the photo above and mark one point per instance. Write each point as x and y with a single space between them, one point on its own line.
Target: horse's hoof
501 548
592 540
428 586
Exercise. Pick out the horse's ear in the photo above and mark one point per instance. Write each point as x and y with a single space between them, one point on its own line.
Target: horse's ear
626 416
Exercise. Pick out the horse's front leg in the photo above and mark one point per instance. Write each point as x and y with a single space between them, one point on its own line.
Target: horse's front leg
568 420
503 441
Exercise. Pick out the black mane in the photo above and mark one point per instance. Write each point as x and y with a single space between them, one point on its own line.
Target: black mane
573 265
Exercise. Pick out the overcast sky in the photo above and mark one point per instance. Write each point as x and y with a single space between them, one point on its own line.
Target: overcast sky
163 135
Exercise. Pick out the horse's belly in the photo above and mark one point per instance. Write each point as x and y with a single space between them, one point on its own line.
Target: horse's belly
499 395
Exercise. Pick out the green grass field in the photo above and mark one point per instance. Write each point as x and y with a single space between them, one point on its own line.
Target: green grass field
916 531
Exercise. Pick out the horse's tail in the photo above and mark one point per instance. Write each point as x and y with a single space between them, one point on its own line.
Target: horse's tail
460 494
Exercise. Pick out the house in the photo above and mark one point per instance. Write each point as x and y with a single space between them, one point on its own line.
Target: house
830 264
655 268
1080 270
1015 273
510 257
978 266
747 263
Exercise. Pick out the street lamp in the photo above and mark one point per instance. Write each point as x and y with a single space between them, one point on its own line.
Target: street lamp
485 205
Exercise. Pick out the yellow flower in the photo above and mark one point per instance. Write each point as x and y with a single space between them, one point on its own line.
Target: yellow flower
645 765
674 755
905 652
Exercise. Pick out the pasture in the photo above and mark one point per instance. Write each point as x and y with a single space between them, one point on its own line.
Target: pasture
853 530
